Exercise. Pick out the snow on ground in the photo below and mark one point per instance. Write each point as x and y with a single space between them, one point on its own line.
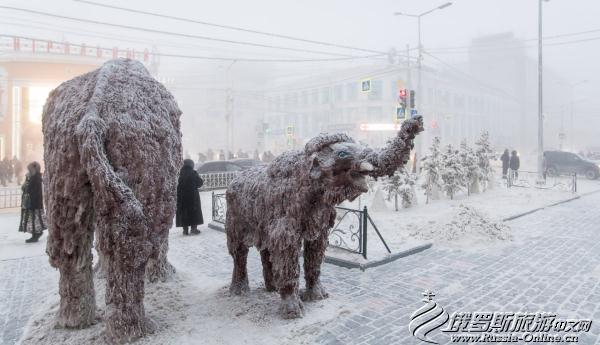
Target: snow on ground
438 221
195 307
12 242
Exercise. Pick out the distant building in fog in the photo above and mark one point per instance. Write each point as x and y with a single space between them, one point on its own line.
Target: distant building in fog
29 70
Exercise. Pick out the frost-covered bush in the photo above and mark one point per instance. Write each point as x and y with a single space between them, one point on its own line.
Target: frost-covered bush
482 151
431 170
471 168
452 172
401 185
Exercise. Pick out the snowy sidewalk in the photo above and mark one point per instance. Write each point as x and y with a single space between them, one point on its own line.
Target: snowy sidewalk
553 265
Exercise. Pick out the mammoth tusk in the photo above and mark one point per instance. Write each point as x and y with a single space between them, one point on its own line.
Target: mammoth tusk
366 166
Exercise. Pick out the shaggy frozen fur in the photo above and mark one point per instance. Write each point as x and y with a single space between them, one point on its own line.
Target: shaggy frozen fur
112 149
292 200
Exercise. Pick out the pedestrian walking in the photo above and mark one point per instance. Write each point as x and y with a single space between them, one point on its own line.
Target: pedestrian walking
189 209
514 165
505 158
32 205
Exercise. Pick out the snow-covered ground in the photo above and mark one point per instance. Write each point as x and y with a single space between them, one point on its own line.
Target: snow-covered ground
196 303
195 307
475 221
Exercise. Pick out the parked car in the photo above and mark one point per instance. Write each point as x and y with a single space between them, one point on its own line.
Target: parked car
247 163
561 162
218 167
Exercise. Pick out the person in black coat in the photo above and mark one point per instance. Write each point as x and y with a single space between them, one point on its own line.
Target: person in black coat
189 210
505 158
32 205
514 164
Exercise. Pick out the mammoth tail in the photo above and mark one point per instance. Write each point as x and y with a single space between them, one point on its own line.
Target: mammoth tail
112 197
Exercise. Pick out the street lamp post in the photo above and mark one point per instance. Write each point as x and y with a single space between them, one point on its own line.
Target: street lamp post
420 58
420 47
540 158
540 94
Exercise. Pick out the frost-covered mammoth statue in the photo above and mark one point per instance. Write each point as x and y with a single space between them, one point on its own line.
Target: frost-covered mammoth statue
112 149
292 200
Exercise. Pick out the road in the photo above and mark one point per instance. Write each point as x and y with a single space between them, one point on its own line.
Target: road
553 265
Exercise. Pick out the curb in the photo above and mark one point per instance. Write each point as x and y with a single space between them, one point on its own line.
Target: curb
516 216
350 264
216 226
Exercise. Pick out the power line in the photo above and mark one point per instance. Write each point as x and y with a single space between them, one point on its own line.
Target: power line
550 37
214 58
47 27
491 48
170 33
229 27
198 57
470 76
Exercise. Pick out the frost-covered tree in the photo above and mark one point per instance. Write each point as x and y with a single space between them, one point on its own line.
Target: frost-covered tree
401 185
483 150
431 171
471 168
452 172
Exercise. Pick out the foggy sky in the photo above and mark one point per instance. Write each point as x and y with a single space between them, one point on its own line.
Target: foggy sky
360 23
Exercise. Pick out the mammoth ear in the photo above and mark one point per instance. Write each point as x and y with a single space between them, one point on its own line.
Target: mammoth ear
315 169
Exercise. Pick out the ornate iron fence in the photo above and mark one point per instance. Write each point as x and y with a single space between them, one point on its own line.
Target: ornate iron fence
214 181
10 197
531 179
349 233
219 207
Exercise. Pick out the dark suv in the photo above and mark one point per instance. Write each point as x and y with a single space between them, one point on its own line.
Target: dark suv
560 162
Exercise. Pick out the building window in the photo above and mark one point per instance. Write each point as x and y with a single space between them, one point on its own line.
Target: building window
338 93
376 90
325 95
314 97
304 98
351 91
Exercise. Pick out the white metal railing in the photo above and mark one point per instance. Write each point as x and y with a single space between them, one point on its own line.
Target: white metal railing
10 197
214 181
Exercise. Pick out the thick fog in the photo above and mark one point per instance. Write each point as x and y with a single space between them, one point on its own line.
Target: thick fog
266 92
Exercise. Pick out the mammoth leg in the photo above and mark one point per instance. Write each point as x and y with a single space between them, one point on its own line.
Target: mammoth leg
239 278
125 285
238 251
70 237
314 251
158 267
267 266
287 273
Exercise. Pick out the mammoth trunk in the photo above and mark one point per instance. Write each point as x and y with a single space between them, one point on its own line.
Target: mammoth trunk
397 152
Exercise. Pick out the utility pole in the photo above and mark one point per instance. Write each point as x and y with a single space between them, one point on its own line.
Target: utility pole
408 79
228 112
419 140
540 158
228 116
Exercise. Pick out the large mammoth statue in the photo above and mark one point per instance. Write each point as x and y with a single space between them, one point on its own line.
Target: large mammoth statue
112 150
292 200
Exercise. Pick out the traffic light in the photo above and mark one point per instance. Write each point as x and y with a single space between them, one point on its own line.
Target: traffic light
402 98
401 108
412 99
